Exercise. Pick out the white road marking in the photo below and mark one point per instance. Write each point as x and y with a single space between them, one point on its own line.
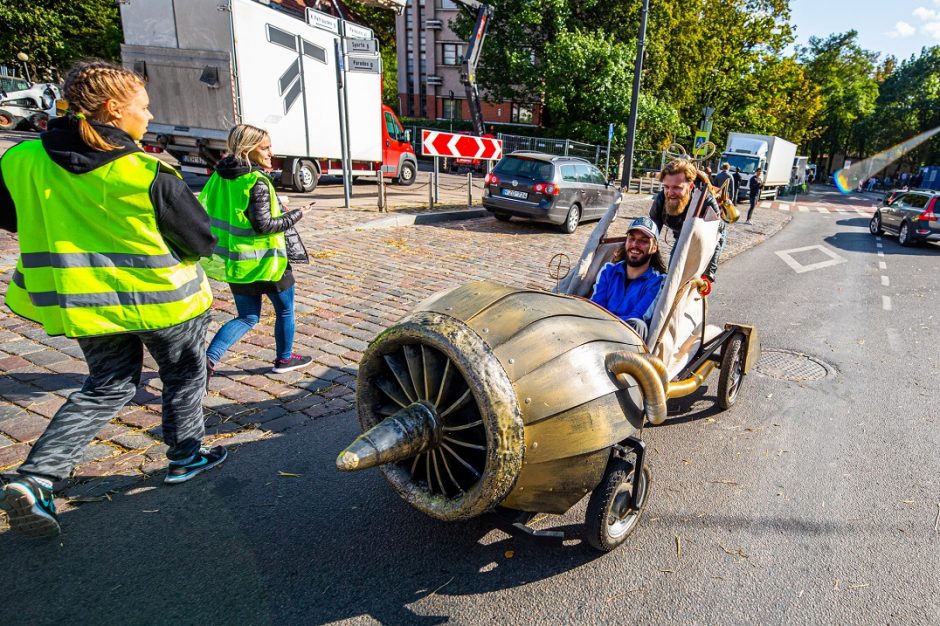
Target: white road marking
784 207
882 265
787 257
821 209
765 205
885 281
886 303
879 245
861 212
881 254
803 209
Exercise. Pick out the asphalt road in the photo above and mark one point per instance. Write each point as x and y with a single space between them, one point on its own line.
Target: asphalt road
809 502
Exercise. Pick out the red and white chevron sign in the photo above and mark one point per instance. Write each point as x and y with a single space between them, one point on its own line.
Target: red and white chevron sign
437 143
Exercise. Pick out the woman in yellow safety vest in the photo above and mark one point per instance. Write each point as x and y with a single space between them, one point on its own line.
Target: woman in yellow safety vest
110 240
257 244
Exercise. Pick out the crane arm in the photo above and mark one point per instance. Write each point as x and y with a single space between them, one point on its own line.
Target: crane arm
470 59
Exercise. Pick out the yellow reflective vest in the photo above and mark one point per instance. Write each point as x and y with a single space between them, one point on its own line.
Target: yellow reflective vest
92 259
242 255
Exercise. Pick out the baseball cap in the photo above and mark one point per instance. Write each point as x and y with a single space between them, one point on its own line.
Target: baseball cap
645 225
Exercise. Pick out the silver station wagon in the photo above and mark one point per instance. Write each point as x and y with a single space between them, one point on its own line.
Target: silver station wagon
555 189
910 214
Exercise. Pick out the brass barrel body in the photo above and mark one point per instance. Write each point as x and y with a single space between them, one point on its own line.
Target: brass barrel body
518 379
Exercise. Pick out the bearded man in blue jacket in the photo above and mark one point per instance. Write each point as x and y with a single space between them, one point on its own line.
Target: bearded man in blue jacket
628 287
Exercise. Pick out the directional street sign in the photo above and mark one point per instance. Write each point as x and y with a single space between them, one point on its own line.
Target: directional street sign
438 143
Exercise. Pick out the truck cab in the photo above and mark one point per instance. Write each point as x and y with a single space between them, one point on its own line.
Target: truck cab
398 156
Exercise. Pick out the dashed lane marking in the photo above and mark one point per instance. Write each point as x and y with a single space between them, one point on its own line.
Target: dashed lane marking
886 303
885 281
882 265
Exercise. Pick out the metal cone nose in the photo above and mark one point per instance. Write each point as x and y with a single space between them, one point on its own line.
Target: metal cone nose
399 436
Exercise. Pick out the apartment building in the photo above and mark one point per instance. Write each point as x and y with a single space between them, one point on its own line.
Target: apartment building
429 59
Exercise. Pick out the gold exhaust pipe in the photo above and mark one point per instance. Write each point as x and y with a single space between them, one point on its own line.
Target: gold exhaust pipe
649 373
682 388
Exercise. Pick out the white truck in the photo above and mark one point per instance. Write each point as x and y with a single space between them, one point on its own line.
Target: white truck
774 156
213 63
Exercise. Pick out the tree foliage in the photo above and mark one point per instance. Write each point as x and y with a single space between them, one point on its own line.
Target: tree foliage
55 34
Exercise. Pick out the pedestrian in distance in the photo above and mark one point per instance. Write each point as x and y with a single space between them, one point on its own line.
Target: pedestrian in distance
753 191
736 176
257 244
725 175
110 240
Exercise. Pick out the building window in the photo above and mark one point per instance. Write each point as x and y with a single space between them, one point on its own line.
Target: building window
450 109
451 54
521 113
449 5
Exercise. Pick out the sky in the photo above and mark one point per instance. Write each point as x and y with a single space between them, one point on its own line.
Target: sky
897 27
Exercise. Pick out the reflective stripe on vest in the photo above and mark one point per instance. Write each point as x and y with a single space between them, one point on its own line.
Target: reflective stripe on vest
242 255
92 259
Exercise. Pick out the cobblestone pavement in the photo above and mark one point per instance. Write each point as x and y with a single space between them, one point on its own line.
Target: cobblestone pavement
358 282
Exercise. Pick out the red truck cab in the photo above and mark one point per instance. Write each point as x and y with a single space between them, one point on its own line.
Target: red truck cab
398 156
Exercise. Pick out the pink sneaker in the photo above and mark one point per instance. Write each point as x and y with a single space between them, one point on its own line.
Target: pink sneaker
295 362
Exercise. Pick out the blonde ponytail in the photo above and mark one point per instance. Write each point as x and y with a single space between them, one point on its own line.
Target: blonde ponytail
88 86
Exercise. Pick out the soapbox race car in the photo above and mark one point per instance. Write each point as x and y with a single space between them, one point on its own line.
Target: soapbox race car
488 398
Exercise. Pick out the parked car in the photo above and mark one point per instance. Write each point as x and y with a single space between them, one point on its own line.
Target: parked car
911 214
556 189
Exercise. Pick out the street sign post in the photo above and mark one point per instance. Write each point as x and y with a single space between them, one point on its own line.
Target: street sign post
699 148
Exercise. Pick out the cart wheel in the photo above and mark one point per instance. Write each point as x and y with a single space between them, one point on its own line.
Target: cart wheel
610 520
732 367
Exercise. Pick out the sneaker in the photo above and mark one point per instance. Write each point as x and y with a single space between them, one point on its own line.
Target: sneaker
295 362
206 458
31 508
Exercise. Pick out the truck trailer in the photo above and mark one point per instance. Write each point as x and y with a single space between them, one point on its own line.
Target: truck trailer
211 64
774 156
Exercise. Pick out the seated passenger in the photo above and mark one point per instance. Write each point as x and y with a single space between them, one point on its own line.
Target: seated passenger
628 288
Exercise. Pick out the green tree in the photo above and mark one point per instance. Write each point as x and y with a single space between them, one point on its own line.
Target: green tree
844 73
908 104
55 34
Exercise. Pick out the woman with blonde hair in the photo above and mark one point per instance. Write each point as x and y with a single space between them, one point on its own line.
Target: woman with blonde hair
257 244
110 239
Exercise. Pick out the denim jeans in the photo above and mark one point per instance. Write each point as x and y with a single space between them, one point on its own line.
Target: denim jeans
249 312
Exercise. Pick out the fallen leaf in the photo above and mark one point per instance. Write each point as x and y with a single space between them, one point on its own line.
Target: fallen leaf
509 554
288 474
678 547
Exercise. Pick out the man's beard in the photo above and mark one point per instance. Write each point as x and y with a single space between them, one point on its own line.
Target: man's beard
676 206
639 261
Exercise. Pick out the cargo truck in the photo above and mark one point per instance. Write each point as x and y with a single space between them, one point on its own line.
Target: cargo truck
211 64
746 153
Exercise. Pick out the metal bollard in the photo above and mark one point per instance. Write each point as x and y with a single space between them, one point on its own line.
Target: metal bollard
383 206
470 189
430 190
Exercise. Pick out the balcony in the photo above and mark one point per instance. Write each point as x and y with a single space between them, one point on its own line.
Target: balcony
433 24
434 80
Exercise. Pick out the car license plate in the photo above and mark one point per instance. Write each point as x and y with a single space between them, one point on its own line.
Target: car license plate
189 159
512 193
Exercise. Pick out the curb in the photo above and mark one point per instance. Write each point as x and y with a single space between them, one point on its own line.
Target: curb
394 221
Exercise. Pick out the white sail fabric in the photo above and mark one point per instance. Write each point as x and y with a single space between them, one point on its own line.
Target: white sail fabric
676 327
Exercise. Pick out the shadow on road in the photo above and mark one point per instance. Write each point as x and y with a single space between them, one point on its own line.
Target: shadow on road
276 535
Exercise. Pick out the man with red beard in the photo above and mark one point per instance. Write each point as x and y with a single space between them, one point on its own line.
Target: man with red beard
628 287
670 205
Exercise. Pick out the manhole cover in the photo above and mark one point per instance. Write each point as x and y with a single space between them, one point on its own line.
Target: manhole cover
787 365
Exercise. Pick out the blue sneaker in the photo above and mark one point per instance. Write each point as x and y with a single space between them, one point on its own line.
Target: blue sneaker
206 458
31 508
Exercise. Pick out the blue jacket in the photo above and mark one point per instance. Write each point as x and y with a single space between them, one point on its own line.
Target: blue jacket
635 300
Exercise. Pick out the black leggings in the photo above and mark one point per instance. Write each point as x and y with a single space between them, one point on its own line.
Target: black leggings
753 199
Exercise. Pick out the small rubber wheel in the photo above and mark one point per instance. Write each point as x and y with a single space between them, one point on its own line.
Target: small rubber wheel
610 519
732 371
572 220
7 120
306 177
875 224
502 217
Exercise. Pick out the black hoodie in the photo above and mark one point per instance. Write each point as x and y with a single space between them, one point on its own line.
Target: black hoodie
182 221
